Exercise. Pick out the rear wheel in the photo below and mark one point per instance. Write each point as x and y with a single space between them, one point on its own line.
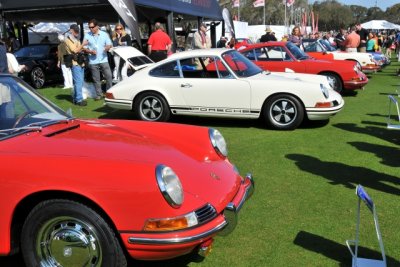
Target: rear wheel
151 106
37 77
67 233
283 112
335 81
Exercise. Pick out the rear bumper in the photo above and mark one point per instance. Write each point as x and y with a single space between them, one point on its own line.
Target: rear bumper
158 246
118 103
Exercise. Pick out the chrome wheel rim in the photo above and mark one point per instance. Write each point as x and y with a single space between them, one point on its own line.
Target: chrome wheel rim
67 241
283 112
151 108
333 82
38 77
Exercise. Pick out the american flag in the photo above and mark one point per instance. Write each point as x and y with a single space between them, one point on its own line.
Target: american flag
258 3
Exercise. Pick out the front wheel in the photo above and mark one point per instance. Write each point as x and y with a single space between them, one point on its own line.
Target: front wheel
67 233
283 112
335 81
151 106
37 77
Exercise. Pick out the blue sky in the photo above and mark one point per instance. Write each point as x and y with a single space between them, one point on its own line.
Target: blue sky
382 4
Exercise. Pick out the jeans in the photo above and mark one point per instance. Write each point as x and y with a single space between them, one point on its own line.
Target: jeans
105 69
77 77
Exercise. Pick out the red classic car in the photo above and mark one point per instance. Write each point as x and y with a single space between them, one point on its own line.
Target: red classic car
86 192
279 56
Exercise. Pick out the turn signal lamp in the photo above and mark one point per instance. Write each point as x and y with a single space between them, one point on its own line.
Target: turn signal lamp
323 105
171 224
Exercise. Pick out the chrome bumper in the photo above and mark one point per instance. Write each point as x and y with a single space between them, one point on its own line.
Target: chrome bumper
230 214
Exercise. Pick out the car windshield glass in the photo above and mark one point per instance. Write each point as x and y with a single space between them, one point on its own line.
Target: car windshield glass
296 51
327 45
35 51
21 106
242 66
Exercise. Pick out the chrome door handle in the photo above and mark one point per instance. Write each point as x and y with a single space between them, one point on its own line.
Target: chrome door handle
186 85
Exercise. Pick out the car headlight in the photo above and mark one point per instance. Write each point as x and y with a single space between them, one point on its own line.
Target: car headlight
325 90
170 185
218 142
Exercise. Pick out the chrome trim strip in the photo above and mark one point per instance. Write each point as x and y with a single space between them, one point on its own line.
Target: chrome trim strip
178 240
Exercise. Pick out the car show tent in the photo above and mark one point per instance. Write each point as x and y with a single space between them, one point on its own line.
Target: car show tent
380 25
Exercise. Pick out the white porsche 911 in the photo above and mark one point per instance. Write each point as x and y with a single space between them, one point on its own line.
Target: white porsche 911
223 83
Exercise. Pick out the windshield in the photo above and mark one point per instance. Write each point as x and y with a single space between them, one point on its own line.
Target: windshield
240 65
35 51
21 106
296 51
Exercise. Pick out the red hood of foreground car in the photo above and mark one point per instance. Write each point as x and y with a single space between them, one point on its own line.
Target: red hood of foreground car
118 154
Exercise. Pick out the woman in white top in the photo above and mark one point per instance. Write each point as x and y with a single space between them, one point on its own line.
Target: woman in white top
13 65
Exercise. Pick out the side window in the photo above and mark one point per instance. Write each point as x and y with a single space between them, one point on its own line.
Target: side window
276 53
250 54
261 55
169 70
222 71
199 67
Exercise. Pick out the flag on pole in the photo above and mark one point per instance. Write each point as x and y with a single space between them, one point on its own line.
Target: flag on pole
236 3
288 3
258 3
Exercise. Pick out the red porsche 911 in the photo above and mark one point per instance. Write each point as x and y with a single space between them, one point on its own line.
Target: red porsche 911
280 56
88 192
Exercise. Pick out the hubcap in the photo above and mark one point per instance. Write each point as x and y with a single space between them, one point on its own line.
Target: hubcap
283 112
151 108
38 77
333 82
66 241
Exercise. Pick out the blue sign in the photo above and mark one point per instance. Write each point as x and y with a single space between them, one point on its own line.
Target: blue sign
362 194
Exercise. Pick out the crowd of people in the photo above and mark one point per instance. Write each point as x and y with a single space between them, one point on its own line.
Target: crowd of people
92 53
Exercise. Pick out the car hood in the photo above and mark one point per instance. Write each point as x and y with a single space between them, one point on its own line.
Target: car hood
94 142
291 77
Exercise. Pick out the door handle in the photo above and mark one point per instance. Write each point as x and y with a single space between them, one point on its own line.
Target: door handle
186 85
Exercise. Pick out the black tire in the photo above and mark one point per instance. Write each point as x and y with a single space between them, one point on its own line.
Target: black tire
57 230
151 106
283 112
37 77
335 80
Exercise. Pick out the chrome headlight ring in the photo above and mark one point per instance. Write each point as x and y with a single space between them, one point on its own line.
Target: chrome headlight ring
218 142
170 185
325 90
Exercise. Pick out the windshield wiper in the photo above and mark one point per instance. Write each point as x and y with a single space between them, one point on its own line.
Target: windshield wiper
23 128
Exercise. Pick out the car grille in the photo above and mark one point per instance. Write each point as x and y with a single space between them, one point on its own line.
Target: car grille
205 214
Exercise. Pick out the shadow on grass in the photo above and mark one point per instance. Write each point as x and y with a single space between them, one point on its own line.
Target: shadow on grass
335 251
64 97
349 93
378 132
349 176
390 155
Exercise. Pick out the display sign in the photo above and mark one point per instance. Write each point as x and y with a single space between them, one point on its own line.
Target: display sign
362 194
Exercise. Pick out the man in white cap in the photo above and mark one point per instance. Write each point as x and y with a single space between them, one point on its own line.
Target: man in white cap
268 36
67 73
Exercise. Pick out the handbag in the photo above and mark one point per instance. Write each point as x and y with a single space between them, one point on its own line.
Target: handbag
68 60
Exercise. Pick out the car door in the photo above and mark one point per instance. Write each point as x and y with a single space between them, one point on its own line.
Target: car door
209 87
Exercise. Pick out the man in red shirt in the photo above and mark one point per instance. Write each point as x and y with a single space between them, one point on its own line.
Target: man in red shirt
159 44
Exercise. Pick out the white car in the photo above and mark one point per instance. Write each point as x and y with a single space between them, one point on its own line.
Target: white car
223 83
321 49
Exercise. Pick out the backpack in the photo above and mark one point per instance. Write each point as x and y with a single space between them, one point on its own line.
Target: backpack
3 59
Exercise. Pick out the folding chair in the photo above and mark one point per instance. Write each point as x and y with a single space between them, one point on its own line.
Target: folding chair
363 262
392 121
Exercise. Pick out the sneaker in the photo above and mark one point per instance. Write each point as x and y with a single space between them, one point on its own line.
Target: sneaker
82 103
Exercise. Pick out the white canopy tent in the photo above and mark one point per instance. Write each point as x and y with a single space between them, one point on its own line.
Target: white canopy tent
380 25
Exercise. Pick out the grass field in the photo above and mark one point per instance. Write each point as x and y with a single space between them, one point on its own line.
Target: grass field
304 206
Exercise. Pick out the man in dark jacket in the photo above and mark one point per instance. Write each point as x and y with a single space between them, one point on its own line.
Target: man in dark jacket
268 36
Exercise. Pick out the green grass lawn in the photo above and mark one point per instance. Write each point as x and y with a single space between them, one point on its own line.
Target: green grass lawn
304 206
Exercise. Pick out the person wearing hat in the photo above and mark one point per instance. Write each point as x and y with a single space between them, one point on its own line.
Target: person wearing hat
201 39
268 36
61 52
73 47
